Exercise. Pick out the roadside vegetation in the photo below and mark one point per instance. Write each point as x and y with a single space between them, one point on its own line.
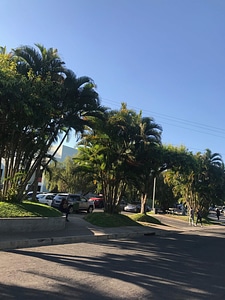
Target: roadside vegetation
109 220
205 220
145 218
27 209
101 219
117 220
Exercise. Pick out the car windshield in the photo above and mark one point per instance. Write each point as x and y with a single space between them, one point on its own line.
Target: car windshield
75 197
61 196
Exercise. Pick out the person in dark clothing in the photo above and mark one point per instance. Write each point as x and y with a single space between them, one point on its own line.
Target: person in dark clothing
64 208
199 217
218 213
191 216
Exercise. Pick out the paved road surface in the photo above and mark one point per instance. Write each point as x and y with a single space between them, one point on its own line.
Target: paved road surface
188 265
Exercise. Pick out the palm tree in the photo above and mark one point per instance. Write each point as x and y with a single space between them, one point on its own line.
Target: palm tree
214 159
60 102
148 157
211 178
43 62
112 149
34 112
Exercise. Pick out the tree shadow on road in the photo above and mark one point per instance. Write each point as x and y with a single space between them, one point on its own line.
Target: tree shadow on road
176 266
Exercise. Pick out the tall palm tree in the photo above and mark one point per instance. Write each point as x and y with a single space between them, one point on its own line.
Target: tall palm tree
62 103
43 62
148 158
78 96
211 178
46 65
214 159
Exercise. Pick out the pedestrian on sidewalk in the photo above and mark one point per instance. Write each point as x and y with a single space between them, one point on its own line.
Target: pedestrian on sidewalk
199 217
64 208
191 216
218 214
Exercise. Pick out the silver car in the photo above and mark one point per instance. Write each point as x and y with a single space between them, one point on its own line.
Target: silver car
76 202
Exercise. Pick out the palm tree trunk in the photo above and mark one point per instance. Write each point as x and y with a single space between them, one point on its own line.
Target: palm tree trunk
56 150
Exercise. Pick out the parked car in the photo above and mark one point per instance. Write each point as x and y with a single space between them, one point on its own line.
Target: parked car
98 201
29 195
76 202
131 207
45 198
135 207
122 204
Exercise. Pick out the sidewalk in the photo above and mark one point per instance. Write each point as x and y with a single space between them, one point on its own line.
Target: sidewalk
79 230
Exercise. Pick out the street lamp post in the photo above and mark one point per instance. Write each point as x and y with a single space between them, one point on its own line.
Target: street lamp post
153 194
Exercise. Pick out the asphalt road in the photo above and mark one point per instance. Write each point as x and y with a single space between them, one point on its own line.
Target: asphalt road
188 265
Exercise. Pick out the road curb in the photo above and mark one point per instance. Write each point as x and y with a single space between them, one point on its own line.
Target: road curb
95 237
31 224
26 243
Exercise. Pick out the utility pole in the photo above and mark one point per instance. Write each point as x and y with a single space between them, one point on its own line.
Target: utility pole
153 195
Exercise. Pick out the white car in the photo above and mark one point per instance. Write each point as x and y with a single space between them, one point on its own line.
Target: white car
45 198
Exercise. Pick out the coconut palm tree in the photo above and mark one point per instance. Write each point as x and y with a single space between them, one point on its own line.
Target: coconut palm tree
211 178
43 62
58 102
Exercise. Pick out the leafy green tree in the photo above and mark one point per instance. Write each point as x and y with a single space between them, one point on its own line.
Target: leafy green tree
109 152
211 179
15 93
65 176
197 180
165 197
45 99
148 162
104 151
181 174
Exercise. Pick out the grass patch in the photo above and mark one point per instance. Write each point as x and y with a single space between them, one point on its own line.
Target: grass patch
27 209
102 219
175 216
145 218
205 220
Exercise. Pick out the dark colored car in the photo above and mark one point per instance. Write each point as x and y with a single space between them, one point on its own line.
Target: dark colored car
76 202
135 207
122 204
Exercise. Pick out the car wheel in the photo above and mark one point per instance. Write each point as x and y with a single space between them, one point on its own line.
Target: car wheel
90 209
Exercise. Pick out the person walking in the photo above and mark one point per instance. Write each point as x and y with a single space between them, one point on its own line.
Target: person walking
191 216
64 208
218 214
199 217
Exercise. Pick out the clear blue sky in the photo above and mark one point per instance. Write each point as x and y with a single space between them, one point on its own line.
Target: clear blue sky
164 57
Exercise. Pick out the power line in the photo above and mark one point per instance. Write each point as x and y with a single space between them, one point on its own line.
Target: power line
179 122
194 129
191 124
